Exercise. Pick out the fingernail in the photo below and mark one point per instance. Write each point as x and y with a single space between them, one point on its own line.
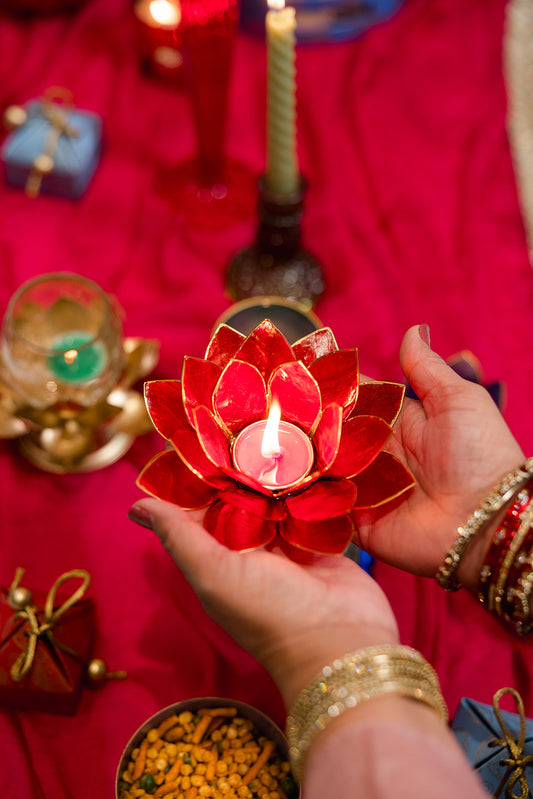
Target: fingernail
140 516
423 332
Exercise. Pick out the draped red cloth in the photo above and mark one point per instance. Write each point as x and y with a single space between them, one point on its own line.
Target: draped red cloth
412 209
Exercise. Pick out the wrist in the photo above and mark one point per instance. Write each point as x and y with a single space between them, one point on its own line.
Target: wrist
296 663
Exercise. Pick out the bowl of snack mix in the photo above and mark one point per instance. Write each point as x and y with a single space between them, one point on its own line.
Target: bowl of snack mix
207 747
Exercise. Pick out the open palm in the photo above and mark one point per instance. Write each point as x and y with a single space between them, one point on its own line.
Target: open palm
457 445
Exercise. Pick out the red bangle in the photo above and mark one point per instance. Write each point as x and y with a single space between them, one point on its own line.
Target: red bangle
502 540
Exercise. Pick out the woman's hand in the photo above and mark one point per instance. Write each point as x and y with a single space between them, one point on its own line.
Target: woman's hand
458 446
293 618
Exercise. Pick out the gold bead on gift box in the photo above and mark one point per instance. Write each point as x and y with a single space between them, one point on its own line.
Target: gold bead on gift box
15 116
19 598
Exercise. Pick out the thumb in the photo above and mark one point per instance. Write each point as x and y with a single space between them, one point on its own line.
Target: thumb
192 548
429 375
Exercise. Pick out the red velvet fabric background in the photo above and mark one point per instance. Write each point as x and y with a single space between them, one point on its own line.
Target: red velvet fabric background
412 208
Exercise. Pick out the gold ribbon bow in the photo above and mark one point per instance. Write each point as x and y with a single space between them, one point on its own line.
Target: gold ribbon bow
56 108
24 662
517 762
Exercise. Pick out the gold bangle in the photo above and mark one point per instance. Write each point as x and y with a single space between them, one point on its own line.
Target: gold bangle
355 678
501 494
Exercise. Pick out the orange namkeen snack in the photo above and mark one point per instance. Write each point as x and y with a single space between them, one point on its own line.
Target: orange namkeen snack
212 753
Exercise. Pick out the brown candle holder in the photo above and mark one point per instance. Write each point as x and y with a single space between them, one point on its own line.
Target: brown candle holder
276 264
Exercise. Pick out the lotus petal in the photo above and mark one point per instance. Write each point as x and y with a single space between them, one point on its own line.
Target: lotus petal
265 348
306 481
249 501
379 399
212 438
166 477
328 537
363 437
325 499
385 479
164 403
240 395
198 381
223 345
246 480
237 529
327 436
337 374
315 345
297 393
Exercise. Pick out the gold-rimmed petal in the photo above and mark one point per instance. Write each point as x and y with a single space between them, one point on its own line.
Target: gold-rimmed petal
166 477
315 345
240 395
298 394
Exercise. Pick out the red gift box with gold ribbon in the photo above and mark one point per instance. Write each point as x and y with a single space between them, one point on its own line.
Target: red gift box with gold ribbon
46 640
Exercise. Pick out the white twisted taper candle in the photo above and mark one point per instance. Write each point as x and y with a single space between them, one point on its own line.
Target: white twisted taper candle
282 174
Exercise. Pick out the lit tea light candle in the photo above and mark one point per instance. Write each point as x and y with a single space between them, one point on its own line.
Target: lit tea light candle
76 359
282 174
276 453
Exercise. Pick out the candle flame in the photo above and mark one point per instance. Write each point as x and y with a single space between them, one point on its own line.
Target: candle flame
276 5
165 13
270 447
70 356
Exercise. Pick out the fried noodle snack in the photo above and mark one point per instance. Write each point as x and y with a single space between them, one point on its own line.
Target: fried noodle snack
212 753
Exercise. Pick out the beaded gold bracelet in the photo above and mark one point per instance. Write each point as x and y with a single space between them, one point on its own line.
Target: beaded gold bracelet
501 494
355 678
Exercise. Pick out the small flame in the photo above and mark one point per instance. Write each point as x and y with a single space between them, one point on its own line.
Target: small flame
270 447
70 356
276 5
165 12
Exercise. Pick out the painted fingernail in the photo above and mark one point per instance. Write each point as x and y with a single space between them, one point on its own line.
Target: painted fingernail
140 516
423 332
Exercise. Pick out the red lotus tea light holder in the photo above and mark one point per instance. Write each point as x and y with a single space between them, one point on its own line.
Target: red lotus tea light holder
328 461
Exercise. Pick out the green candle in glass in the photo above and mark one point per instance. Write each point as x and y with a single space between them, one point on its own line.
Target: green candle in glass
79 357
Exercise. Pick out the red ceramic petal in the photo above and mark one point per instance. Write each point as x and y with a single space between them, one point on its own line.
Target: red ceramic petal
246 480
198 379
237 529
251 502
166 477
164 404
223 345
240 395
327 436
325 499
363 437
212 438
297 393
265 348
314 346
385 479
379 399
337 374
329 537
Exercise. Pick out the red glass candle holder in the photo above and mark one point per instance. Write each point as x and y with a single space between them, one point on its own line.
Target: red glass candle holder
209 190
317 387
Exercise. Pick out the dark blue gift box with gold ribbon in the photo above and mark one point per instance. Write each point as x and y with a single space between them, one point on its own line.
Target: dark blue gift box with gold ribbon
53 148
498 744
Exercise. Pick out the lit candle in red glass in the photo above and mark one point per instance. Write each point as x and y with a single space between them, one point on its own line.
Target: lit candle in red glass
158 23
276 453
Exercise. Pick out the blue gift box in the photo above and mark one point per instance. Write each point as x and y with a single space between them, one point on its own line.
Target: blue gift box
498 753
75 152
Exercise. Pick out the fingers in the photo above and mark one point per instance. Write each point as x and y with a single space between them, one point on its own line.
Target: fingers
191 547
429 375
